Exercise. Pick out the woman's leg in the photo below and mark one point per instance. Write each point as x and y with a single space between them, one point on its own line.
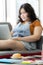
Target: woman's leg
11 44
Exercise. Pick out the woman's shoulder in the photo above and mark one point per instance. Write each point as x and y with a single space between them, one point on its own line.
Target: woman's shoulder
36 23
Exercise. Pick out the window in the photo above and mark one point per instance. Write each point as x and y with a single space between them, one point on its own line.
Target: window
2 10
11 12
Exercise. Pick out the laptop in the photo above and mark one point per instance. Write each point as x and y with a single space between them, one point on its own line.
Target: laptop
4 32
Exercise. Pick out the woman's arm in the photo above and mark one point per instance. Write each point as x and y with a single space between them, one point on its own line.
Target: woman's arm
11 33
13 30
32 38
36 35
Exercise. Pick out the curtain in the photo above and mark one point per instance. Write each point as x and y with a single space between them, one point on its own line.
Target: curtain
2 10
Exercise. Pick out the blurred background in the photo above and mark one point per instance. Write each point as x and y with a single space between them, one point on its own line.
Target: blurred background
9 10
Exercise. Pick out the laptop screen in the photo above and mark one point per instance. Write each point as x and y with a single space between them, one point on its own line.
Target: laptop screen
4 32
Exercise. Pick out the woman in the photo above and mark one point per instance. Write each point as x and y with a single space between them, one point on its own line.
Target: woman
27 31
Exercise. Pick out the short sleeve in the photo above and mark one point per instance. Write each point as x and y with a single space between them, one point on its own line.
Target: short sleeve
37 23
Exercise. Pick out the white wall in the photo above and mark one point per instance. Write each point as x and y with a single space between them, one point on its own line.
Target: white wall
41 12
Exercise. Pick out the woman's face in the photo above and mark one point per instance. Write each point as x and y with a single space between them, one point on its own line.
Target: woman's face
24 15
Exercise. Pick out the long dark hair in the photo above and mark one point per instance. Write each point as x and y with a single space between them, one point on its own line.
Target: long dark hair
29 9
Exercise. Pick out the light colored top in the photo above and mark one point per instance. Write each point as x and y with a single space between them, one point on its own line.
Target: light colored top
22 30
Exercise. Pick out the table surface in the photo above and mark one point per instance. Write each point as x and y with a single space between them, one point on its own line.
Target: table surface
20 64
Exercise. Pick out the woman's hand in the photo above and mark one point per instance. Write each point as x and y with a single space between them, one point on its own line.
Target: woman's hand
11 33
18 38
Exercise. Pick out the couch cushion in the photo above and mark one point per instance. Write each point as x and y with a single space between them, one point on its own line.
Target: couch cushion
39 43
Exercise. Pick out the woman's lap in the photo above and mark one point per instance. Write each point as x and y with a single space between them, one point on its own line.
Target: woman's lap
15 45
12 44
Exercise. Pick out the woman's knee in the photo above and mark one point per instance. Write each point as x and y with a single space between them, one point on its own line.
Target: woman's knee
16 45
